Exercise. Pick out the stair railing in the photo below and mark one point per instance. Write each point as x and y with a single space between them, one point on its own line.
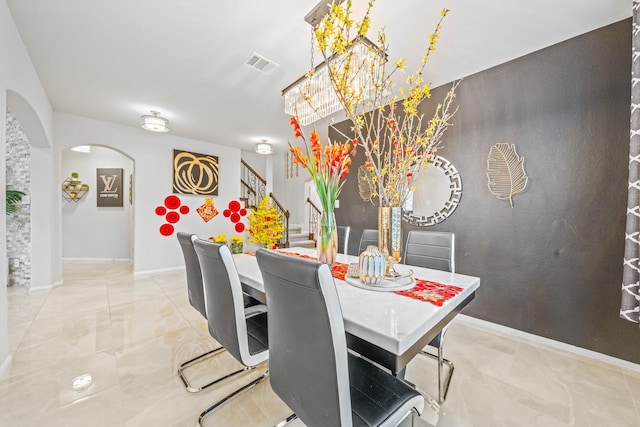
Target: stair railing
284 242
314 219
253 187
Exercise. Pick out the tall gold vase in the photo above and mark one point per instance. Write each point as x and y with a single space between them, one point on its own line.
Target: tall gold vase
390 231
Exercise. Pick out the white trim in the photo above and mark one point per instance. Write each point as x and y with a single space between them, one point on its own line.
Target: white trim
96 260
538 340
161 270
4 368
40 288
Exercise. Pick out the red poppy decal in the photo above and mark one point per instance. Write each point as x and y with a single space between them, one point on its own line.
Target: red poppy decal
243 212
161 210
234 206
172 202
166 229
226 213
184 209
239 227
235 217
173 217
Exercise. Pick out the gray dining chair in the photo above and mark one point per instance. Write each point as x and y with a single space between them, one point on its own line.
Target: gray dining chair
436 250
369 237
242 332
310 367
343 238
195 291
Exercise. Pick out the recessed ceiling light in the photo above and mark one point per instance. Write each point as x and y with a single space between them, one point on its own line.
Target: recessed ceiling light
82 148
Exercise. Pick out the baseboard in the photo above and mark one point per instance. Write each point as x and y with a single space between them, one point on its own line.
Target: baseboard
162 270
42 287
535 339
96 260
4 368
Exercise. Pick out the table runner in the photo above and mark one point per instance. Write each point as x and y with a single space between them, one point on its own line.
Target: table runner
433 292
424 290
338 271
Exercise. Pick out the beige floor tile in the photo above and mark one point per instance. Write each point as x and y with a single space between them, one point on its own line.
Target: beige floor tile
137 321
132 332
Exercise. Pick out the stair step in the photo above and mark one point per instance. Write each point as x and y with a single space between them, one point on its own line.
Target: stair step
298 236
302 243
295 228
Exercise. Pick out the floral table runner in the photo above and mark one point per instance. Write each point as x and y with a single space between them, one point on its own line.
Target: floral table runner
424 290
433 292
338 271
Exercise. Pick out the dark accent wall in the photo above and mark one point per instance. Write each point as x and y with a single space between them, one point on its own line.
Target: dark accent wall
552 265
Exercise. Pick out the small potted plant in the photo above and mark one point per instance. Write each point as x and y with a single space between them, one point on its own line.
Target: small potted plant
74 179
220 238
236 245
14 197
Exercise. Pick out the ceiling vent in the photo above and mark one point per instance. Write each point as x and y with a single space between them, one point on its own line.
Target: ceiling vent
260 63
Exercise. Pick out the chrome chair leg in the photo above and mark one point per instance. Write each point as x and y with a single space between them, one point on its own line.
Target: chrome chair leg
235 393
442 393
185 365
286 420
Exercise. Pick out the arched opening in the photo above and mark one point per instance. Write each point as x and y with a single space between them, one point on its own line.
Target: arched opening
97 206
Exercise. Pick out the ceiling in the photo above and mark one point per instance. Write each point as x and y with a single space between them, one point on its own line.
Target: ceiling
116 60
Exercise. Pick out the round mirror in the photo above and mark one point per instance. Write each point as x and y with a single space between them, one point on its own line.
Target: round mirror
438 189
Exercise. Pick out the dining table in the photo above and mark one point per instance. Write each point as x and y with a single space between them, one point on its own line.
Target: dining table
384 326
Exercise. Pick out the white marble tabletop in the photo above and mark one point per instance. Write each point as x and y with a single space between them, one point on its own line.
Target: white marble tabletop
390 321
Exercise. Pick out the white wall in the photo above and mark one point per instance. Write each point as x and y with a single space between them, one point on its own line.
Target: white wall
89 231
18 75
256 161
152 154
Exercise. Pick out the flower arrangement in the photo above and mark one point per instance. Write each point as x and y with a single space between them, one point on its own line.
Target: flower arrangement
396 138
265 224
220 238
327 164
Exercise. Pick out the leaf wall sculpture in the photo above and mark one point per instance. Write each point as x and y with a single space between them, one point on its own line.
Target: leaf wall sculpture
505 170
365 184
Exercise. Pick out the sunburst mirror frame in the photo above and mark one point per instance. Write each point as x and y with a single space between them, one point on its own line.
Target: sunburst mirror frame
455 194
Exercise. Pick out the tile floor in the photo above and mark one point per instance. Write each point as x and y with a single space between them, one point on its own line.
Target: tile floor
130 333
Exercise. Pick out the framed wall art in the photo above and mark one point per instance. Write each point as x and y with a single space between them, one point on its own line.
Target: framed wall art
109 185
195 173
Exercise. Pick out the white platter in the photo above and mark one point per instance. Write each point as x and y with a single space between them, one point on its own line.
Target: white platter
399 284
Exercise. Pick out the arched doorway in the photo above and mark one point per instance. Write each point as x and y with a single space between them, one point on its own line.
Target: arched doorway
95 227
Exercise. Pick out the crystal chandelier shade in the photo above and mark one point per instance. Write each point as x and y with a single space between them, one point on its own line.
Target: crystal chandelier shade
313 96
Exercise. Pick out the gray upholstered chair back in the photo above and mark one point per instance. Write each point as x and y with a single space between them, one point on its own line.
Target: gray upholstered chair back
194 274
343 238
225 307
369 238
308 371
431 249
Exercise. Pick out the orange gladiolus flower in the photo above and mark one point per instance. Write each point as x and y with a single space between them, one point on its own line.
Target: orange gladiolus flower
296 127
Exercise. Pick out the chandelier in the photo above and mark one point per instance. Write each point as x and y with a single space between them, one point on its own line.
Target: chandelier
313 96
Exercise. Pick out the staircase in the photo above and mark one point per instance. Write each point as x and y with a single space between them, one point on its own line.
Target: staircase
253 189
299 239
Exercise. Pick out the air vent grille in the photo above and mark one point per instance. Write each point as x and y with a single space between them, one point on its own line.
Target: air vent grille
260 63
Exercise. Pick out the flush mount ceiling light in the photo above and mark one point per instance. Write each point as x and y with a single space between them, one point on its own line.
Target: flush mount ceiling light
264 147
154 122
